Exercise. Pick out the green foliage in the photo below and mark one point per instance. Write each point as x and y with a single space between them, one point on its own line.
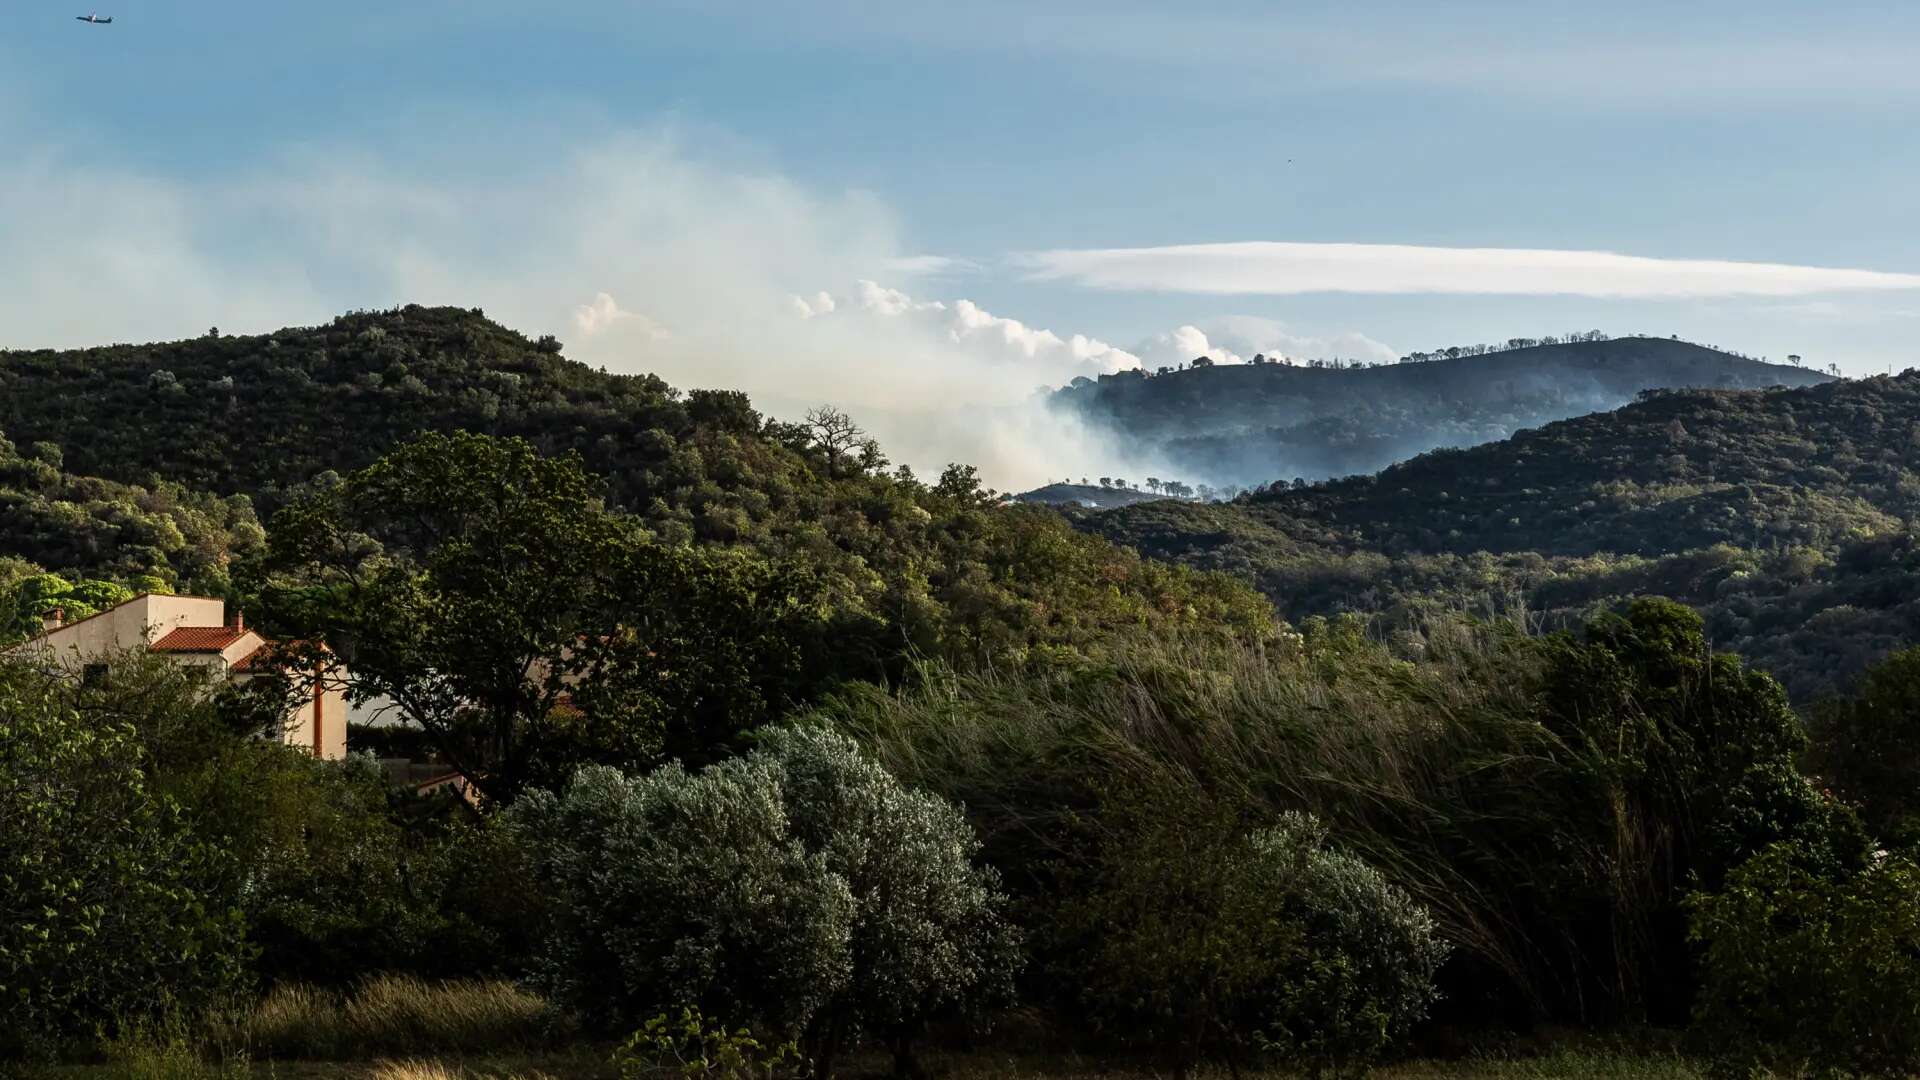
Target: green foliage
909 569
684 887
1187 935
1548 801
161 535
1808 971
110 913
168 1050
335 886
928 939
313 854
1785 517
798 888
1867 745
1695 759
37 597
701 1049
487 592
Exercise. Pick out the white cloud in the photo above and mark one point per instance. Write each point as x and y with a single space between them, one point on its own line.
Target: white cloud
1717 55
1278 268
930 265
1249 335
1181 345
821 303
1002 346
604 313
1236 339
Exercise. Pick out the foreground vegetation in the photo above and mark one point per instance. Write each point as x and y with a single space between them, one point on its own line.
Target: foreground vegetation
1303 855
789 764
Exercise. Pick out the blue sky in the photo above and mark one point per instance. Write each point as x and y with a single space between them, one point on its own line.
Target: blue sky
701 164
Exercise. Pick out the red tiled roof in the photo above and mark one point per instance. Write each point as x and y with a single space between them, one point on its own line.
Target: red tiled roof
272 654
256 660
199 639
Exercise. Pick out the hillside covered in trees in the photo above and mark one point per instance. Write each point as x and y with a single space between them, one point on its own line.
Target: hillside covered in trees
216 425
1245 425
1787 516
779 757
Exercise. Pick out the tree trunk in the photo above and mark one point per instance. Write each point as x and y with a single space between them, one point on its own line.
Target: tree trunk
904 1067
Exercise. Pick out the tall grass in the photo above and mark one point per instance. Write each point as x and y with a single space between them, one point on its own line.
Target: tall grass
166 1050
425 1069
1428 760
395 1015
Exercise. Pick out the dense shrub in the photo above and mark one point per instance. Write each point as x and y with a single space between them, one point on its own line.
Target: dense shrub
697 1048
1548 800
1188 937
338 885
1805 969
329 895
1867 745
110 913
798 888
1684 763
331 876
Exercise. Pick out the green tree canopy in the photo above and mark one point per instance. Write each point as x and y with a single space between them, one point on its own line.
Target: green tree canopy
494 599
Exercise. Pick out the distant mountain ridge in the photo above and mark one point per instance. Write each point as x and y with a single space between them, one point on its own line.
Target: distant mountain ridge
1104 497
1250 424
1790 517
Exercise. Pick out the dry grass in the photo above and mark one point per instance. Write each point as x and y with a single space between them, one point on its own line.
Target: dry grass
1571 1062
395 1015
426 1069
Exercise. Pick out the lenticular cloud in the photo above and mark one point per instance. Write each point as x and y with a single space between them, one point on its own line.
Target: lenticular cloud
1275 268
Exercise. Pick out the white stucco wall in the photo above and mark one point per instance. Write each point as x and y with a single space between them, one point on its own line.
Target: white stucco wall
133 625
143 620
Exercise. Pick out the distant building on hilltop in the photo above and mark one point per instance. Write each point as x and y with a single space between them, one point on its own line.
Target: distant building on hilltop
191 630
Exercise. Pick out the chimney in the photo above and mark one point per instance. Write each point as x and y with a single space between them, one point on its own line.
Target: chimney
239 621
55 620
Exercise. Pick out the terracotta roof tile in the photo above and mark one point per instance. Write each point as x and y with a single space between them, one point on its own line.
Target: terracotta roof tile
274 654
199 639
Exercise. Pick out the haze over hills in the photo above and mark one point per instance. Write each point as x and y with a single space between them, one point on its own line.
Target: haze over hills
1788 516
1245 425
1749 504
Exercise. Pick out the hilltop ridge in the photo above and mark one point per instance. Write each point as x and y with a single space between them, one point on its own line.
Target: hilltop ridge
1249 424
261 413
1790 517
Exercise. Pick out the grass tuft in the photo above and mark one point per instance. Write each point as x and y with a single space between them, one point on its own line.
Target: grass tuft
396 1015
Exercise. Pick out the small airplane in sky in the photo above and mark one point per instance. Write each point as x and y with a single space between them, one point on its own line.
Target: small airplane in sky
97 20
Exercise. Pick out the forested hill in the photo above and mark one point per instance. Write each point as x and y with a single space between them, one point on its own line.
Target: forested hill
1250 424
1788 516
1676 469
259 414
215 426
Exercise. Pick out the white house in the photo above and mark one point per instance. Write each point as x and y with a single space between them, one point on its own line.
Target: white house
192 630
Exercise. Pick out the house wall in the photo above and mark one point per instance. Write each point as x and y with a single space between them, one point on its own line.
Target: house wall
143 620
332 714
134 624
